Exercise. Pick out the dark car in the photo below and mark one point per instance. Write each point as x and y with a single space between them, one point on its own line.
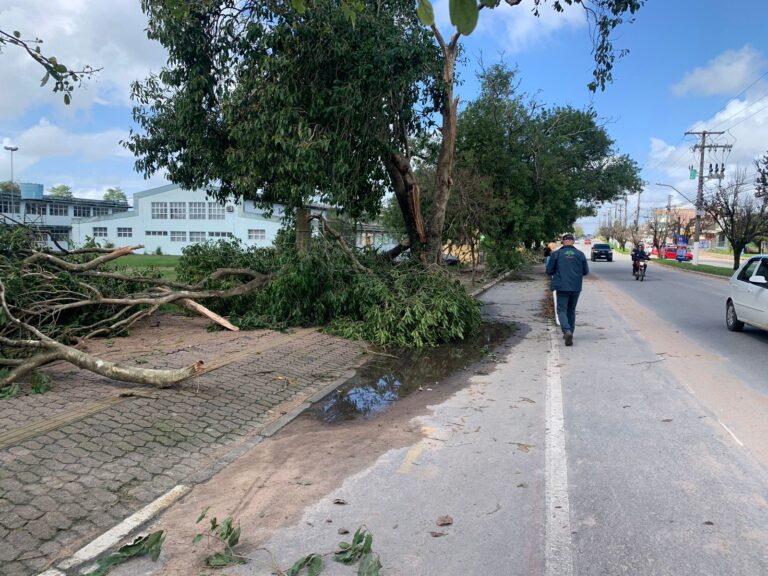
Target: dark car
602 252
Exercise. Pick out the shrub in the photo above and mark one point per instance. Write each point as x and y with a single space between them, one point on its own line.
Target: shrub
402 305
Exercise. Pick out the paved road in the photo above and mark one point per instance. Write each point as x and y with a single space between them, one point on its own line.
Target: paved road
695 305
635 452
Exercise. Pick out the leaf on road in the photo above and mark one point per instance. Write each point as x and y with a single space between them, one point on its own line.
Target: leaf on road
667 420
438 534
340 502
444 520
523 447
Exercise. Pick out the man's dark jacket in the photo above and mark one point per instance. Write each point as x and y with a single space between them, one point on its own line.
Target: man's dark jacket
567 266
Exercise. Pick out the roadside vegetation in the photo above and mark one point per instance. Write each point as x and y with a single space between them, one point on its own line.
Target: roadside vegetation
701 268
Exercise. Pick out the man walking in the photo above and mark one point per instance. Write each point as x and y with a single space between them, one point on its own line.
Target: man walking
567 266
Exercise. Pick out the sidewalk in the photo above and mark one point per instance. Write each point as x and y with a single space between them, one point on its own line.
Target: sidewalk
80 458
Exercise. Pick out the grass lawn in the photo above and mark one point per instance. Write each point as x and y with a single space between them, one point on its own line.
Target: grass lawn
166 265
702 268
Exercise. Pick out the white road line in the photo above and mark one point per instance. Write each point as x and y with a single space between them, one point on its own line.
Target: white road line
554 299
739 442
114 535
558 559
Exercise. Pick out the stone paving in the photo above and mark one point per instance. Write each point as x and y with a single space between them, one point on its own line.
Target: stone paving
79 459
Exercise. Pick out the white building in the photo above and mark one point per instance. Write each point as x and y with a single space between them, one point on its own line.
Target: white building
51 216
170 218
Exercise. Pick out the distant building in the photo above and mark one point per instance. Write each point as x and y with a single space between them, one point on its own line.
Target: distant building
169 218
51 216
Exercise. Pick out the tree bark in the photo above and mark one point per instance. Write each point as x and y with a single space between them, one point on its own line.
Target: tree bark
407 193
303 230
443 173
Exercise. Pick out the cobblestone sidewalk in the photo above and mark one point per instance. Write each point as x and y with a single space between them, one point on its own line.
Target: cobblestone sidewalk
79 459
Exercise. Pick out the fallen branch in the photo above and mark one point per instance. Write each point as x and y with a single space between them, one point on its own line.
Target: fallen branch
342 243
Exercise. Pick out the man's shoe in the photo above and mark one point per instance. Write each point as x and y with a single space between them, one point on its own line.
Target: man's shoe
568 338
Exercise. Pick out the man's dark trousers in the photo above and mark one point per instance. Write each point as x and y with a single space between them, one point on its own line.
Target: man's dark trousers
566 309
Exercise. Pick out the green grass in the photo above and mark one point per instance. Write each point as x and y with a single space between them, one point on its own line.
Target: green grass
166 265
701 268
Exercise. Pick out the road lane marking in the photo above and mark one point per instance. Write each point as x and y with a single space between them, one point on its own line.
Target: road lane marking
411 457
558 556
739 442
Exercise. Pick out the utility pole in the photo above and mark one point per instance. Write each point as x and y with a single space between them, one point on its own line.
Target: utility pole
637 212
626 209
702 147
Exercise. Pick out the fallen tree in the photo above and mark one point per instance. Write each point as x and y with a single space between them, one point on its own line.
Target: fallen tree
51 301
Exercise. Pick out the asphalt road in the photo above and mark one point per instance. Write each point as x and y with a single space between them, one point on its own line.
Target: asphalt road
695 305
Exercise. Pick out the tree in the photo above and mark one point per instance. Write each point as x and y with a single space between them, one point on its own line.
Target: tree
658 227
8 186
115 194
741 215
60 191
281 106
544 167
64 79
263 103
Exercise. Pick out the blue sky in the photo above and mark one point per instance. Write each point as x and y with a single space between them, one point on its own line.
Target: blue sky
689 64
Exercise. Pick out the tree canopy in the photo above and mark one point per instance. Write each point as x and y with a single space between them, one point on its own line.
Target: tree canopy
115 194
269 104
60 191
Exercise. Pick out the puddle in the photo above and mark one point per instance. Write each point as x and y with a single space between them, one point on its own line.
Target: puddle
381 382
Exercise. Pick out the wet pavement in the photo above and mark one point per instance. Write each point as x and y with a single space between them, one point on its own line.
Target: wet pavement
77 460
389 377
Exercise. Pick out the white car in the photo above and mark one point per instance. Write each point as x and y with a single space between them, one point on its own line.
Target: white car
748 295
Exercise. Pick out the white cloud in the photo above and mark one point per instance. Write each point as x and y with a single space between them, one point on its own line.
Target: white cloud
523 29
107 35
515 28
728 73
745 123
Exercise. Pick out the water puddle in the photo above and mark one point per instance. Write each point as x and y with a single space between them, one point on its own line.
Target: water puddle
381 382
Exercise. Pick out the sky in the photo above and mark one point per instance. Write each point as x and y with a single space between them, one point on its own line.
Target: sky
692 65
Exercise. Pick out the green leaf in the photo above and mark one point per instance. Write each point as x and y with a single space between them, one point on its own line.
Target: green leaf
369 565
16 34
299 5
197 538
67 99
315 565
313 562
426 13
45 79
464 14
202 514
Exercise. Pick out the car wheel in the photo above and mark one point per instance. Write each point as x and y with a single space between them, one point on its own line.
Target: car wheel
610 259
593 258
731 320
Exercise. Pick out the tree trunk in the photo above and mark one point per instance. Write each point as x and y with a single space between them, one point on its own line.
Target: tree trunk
737 248
443 172
408 194
303 230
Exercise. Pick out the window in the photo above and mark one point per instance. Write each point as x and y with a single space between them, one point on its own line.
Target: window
35 208
59 209
9 205
156 233
197 210
125 232
159 210
215 211
197 236
257 234
763 270
219 234
99 231
178 211
82 211
100 211
748 271
178 236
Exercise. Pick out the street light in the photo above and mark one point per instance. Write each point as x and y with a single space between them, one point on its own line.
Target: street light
11 149
696 243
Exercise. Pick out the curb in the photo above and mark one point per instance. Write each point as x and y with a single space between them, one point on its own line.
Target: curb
490 284
90 552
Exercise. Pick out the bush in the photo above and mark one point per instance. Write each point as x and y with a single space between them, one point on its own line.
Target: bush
402 305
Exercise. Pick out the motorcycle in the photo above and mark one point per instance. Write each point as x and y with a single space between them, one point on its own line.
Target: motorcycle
640 270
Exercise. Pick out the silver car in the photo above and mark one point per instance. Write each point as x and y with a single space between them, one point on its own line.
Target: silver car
748 295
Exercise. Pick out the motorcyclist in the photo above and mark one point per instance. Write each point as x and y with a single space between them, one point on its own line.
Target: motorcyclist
638 255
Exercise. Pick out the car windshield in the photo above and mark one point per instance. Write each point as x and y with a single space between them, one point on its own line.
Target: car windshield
602 247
